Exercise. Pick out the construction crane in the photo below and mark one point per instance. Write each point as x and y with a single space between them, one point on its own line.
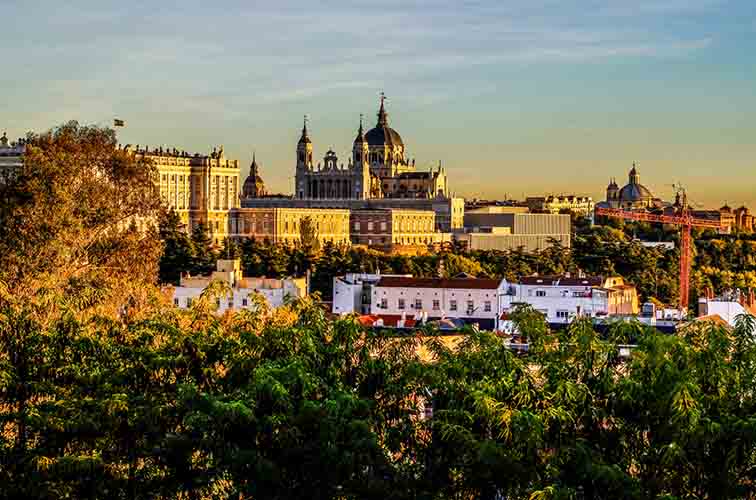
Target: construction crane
685 221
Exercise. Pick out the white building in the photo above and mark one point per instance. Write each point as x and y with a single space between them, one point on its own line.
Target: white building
562 298
727 306
353 291
275 291
472 300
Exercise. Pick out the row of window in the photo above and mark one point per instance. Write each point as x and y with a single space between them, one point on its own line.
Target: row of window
436 305
188 303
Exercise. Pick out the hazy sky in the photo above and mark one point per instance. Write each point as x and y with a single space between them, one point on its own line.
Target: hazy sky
513 96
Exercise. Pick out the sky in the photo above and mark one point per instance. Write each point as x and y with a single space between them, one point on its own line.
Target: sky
513 97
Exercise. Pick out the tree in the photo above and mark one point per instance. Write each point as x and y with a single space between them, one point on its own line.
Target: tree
69 221
178 252
204 256
308 233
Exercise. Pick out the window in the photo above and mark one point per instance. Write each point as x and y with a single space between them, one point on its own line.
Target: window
245 302
370 226
230 304
436 305
356 226
383 226
563 314
176 302
540 293
401 304
470 307
188 302
487 306
384 303
418 304
453 305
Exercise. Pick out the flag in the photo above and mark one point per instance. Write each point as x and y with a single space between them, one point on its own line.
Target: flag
118 123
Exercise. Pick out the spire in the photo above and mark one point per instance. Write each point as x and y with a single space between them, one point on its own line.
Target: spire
4 139
360 134
382 115
253 167
305 137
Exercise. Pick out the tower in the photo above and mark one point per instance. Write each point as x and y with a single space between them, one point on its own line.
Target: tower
360 165
634 176
612 191
304 148
304 164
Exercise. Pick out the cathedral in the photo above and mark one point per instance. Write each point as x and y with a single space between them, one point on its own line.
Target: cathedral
377 169
632 196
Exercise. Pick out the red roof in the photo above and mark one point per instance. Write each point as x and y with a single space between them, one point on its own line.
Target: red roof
388 320
459 283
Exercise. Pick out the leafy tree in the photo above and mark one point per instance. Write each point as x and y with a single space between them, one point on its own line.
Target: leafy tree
178 251
204 256
308 233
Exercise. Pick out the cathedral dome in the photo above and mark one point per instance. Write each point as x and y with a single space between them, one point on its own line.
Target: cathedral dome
382 134
635 192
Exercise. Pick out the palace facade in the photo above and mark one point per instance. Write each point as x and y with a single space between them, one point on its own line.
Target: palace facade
201 189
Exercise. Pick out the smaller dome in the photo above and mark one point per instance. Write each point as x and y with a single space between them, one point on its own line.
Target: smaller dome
254 186
635 192
725 208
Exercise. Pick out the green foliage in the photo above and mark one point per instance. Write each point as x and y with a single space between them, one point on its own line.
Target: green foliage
288 404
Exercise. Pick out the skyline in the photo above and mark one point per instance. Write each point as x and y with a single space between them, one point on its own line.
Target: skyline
526 97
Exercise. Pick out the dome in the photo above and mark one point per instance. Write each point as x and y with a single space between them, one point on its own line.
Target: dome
254 186
635 192
382 134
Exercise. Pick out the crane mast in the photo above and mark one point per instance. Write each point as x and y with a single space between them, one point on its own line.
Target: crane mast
681 219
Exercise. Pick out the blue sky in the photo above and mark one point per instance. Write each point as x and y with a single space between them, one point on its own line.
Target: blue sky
513 97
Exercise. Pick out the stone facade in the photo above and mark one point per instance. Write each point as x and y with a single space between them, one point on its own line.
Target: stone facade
202 189
386 228
282 225
582 205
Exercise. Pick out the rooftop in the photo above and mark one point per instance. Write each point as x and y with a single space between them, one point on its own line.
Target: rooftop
458 283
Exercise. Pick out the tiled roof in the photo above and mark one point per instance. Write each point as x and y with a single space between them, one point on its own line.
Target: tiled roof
458 283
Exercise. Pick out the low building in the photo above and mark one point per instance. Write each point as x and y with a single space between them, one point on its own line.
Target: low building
486 230
275 291
562 298
555 204
387 227
729 306
352 293
282 225
471 300
11 158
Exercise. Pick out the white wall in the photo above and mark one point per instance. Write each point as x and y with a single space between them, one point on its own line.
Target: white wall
347 297
557 301
274 296
445 297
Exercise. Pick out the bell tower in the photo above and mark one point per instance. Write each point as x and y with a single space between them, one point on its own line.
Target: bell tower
304 164
360 166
